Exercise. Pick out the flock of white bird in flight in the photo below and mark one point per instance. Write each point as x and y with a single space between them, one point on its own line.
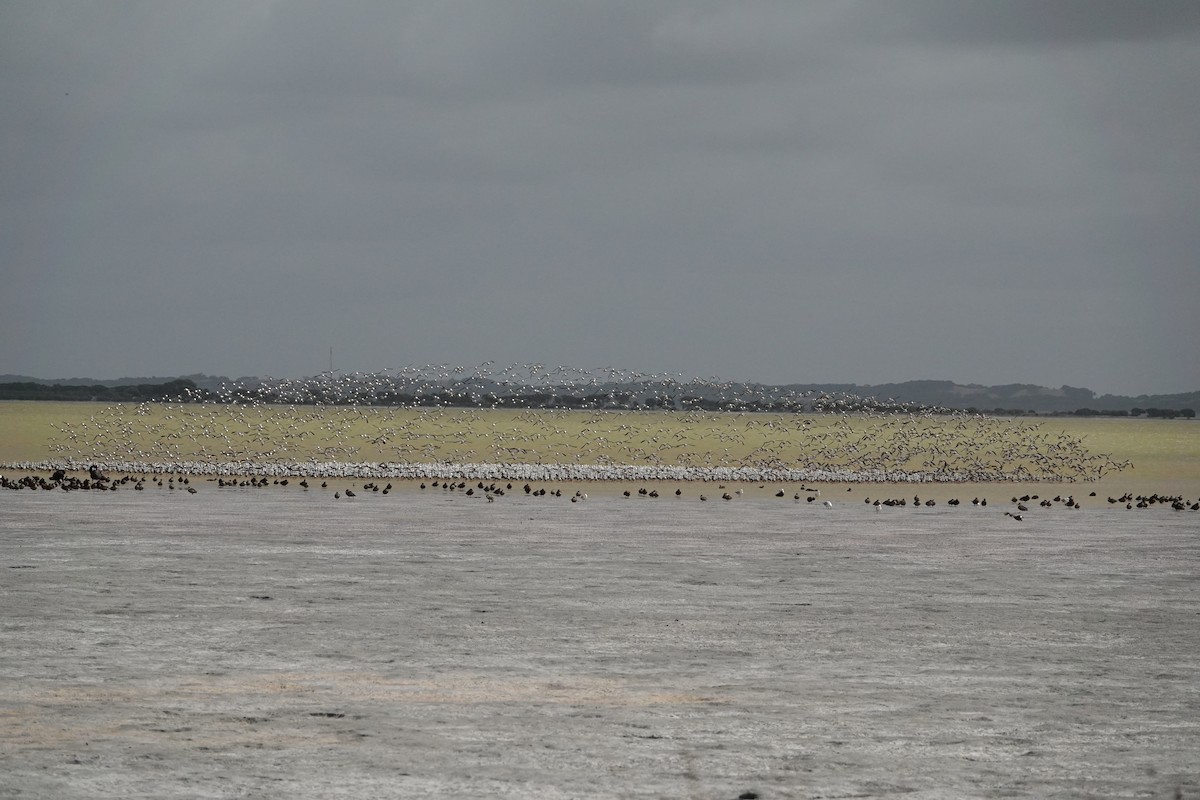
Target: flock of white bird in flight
853 436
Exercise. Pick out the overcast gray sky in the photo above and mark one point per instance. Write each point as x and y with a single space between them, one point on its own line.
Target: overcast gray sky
999 192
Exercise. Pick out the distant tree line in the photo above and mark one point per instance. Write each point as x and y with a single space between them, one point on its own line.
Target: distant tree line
464 396
132 393
1152 413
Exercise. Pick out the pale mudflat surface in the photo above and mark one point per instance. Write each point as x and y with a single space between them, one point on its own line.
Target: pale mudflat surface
283 644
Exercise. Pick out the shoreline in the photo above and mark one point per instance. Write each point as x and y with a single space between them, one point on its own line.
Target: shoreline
548 472
637 482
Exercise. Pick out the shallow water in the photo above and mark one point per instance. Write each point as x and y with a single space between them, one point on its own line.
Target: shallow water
279 644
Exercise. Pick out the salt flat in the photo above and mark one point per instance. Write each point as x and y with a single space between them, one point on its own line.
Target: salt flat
278 644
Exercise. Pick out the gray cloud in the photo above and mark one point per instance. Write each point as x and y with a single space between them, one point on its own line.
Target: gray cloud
1033 23
846 192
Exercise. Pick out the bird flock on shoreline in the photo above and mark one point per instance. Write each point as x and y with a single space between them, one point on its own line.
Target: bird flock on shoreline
97 480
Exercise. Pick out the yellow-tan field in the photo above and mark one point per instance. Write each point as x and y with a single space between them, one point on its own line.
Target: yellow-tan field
1059 449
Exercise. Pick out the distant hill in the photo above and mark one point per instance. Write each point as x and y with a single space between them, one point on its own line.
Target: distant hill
1009 398
200 380
95 392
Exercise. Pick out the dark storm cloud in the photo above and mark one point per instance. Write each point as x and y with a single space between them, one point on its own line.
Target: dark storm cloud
994 192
